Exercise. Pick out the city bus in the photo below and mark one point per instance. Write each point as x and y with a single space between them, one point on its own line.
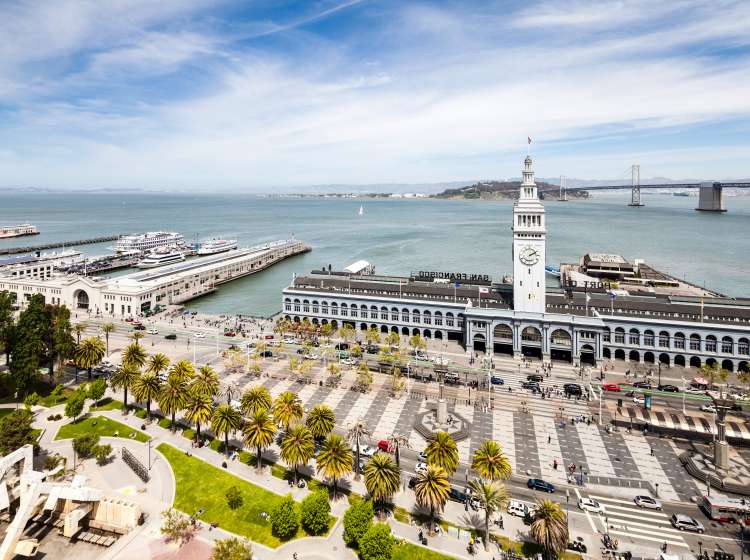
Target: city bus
725 510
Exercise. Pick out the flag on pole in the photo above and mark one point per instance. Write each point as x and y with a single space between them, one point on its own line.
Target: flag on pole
588 299
484 290
529 139
612 303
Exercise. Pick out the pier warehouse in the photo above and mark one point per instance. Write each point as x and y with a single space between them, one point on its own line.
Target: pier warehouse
575 324
135 293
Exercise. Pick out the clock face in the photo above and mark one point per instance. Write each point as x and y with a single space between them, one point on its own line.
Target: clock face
529 255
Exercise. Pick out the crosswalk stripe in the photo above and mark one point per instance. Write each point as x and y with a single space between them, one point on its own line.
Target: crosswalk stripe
588 515
614 500
646 538
634 525
642 513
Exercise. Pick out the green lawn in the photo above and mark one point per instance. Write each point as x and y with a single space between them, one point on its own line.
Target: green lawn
408 551
200 485
99 425
106 404
5 411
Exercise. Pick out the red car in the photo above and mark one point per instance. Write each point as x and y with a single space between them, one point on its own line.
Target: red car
611 387
384 446
229 333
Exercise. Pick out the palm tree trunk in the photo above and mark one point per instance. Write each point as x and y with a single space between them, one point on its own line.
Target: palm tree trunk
106 336
398 457
486 530
148 409
125 395
198 429
90 368
172 425
295 475
259 460
226 443
357 473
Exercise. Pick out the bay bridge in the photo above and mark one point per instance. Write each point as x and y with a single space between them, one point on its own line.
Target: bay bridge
710 196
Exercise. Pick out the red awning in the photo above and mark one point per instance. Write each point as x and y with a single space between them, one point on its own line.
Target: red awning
700 381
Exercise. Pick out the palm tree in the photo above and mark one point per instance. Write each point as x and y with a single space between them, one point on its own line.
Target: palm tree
320 420
287 409
431 489
357 432
493 496
123 378
134 356
490 462
334 459
173 397
549 528
372 335
157 363
198 409
297 448
712 372
90 352
254 400
395 443
206 381
224 421
258 432
442 452
135 336
382 477
146 388
107 329
79 329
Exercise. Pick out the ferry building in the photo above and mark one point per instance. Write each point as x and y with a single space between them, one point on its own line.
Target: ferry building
578 324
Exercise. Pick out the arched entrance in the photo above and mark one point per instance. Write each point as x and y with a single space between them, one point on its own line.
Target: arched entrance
480 344
531 342
711 362
427 333
405 331
743 366
82 300
695 362
634 356
727 365
439 335
588 356
619 354
502 338
679 360
561 346
607 354
384 329
664 359
649 358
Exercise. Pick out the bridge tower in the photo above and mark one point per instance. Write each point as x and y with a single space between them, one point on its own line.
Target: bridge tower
563 189
711 198
635 186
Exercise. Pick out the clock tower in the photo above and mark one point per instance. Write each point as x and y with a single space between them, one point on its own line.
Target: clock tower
529 233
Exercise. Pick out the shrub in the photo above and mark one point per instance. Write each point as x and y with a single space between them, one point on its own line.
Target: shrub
284 518
165 423
357 520
85 445
217 445
102 453
31 400
176 526
141 413
51 461
97 389
376 543
314 513
74 406
188 433
231 549
234 498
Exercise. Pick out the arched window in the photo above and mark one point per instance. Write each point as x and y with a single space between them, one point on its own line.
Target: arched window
679 340
695 341
334 308
344 310
427 318
354 310
394 314
648 338
315 307
296 305
607 334
727 345
306 306
449 319
743 346
634 337
405 315
619 335
663 339
438 319
710 343
384 313
415 316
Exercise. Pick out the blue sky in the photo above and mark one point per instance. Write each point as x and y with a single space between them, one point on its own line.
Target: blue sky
206 94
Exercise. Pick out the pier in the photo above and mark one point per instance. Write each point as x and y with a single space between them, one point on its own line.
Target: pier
57 244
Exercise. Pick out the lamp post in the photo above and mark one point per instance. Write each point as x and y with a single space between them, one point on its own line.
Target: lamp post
657 490
684 386
601 398
659 373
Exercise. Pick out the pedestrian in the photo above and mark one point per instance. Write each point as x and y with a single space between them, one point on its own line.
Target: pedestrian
549 439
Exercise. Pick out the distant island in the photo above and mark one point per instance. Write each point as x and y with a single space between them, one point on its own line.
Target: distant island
495 190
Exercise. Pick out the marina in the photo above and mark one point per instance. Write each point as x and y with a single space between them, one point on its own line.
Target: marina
20 230
56 245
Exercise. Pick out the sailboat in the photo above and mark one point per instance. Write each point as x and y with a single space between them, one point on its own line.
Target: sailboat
361 210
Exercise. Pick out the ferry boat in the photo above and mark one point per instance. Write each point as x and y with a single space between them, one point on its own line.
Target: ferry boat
217 246
18 231
147 241
161 257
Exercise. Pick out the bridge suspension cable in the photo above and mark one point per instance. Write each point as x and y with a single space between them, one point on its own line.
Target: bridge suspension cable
635 185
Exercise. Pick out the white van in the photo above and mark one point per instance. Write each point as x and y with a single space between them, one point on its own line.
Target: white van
517 508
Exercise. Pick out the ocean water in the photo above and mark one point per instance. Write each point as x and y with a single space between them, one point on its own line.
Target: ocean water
402 236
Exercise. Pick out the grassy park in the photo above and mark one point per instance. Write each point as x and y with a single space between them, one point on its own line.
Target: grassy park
101 425
408 551
202 486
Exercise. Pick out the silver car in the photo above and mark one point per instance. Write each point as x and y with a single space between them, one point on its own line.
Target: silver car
647 502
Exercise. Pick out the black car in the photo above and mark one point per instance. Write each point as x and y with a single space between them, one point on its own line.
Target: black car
342 346
572 389
539 484
372 349
535 377
266 354
531 385
642 384
668 388
458 495
412 482
300 350
139 327
170 336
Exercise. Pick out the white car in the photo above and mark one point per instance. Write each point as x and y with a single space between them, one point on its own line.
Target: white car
367 451
421 467
311 356
349 362
153 331
422 357
647 502
587 504
519 509
708 408
638 400
422 457
200 335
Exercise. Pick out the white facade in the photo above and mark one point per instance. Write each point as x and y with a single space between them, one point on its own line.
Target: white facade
529 237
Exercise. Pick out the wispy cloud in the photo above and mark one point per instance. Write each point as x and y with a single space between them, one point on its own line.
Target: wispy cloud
183 95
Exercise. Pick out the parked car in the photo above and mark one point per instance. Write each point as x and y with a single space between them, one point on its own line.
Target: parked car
614 387
668 388
372 349
647 502
138 327
383 445
708 408
451 378
230 333
266 354
517 508
530 385
200 335
349 362
420 468
170 336
535 377
367 451
639 400
591 505
642 384
422 456
412 482
153 331
686 523
342 346
497 380
539 484
458 494
422 356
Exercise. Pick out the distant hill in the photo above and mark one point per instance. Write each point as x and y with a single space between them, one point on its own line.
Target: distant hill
489 190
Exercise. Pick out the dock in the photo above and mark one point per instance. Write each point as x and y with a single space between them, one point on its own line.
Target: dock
57 244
